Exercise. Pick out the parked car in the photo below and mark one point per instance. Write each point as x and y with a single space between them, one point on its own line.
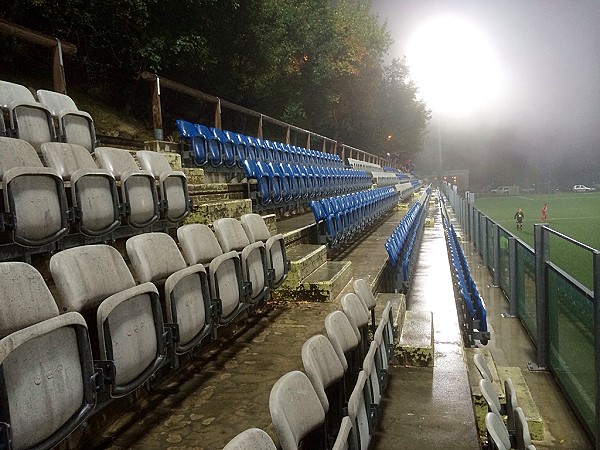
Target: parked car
582 188
501 190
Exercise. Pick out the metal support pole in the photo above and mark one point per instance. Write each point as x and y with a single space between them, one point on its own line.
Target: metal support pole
484 237
496 255
58 70
596 267
541 294
157 111
512 275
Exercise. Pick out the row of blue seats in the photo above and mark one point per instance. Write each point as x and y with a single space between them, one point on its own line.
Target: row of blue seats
472 305
342 218
217 148
404 239
284 182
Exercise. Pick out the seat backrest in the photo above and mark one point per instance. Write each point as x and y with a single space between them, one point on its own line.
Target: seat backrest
85 276
342 336
230 234
45 361
355 310
497 432
251 439
24 298
490 395
17 153
117 161
357 411
522 430
363 291
153 162
154 257
511 404
255 227
56 102
322 366
198 243
370 369
345 439
482 366
67 158
295 409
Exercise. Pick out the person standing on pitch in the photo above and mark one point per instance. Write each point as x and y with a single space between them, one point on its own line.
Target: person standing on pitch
544 212
519 219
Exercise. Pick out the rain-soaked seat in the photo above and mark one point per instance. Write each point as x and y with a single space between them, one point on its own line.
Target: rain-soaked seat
74 126
256 230
251 439
47 383
227 288
94 194
138 187
35 202
231 236
173 186
155 258
94 280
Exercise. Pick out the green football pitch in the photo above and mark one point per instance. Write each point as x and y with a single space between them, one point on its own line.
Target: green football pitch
575 215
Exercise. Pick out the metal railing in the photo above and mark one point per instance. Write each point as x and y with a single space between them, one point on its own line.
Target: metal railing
559 312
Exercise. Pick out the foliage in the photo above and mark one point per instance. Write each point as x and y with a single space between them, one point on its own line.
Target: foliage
314 63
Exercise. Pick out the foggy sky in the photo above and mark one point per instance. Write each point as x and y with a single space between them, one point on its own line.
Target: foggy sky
548 120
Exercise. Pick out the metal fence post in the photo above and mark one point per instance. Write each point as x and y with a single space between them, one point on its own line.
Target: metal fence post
541 294
596 267
484 237
496 254
512 275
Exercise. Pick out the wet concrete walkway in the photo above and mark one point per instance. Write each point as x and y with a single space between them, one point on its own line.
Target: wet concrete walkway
431 407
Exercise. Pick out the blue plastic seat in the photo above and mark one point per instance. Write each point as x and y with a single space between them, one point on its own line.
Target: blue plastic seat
189 134
227 146
213 146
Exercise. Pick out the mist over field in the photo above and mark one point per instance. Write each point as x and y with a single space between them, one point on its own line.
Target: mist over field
544 127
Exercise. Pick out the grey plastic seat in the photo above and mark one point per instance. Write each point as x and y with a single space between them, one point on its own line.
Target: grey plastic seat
95 280
511 404
227 288
94 193
75 126
35 200
256 230
232 237
388 329
345 343
382 355
173 185
523 437
497 432
297 413
364 293
251 439
482 366
359 319
29 120
326 373
155 258
138 187
45 361
345 439
375 388
491 397
358 412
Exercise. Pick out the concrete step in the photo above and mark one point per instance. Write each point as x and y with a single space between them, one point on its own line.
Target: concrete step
322 285
208 212
415 345
525 400
305 259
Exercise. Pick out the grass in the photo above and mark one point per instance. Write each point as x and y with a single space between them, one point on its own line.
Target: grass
575 215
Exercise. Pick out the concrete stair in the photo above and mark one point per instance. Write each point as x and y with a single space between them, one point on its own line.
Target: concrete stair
415 346
312 278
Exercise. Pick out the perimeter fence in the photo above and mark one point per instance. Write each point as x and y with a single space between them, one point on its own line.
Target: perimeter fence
561 315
